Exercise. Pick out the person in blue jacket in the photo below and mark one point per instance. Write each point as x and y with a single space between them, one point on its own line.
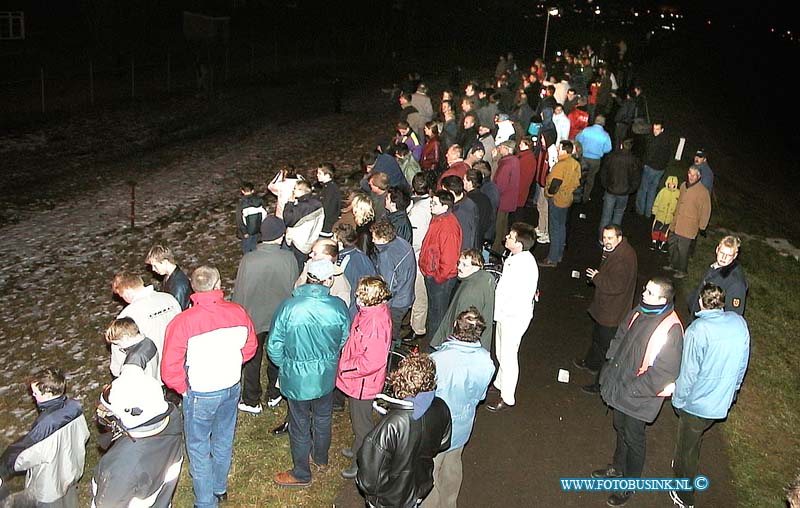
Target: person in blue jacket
716 348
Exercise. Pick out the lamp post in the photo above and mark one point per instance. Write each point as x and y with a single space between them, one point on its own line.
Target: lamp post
553 11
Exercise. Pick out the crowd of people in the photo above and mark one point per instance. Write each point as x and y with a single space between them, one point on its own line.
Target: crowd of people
433 249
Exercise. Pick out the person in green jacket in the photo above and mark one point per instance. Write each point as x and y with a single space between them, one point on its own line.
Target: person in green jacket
306 337
475 290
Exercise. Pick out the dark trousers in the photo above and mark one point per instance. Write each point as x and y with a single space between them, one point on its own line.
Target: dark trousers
601 339
310 424
631 445
397 321
251 375
438 301
687 449
361 419
679 252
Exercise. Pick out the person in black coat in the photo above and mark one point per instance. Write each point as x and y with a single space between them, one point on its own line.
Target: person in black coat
395 463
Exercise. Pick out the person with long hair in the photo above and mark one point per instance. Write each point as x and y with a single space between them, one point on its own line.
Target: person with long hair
432 157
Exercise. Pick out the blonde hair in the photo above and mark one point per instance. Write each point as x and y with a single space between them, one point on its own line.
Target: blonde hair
160 253
205 278
363 211
730 241
372 290
121 329
126 280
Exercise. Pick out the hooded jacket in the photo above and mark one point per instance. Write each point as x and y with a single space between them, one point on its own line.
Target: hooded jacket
304 221
52 453
143 471
666 201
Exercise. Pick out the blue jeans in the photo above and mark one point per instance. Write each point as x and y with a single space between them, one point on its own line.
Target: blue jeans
209 422
613 210
310 433
557 224
438 301
648 190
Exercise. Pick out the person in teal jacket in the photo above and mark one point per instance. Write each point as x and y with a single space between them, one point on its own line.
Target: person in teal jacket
716 349
306 337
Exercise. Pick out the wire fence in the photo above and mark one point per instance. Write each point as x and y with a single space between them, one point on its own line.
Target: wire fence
73 83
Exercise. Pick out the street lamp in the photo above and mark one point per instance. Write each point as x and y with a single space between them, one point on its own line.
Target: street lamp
553 11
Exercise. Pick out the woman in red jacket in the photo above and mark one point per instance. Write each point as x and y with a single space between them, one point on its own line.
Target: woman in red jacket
362 366
431 159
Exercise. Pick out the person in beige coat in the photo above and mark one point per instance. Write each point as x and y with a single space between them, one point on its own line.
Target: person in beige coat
691 216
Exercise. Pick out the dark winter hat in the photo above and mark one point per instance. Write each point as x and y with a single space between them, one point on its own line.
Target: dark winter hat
478 147
502 117
272 228
700 153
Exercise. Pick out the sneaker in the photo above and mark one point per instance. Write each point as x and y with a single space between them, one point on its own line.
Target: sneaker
653 246
546 264
347 453
607 472
543 239
255 410
221 498
679 275
619 498
351 472
668 268
274 402
538 231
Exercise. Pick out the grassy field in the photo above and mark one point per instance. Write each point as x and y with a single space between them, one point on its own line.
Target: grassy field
763 427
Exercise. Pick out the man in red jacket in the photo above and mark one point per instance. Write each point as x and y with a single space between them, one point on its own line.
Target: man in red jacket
438 257
507 180
204 349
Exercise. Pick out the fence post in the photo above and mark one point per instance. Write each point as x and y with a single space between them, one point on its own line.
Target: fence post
133 78
133 203
41 79
91 82
169 72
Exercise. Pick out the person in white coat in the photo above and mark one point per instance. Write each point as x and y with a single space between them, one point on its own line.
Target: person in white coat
513 311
